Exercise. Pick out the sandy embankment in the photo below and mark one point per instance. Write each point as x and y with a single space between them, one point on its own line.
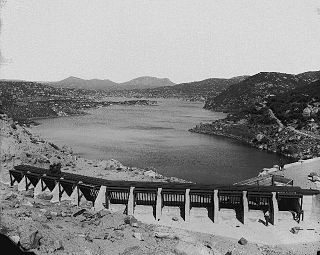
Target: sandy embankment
300 170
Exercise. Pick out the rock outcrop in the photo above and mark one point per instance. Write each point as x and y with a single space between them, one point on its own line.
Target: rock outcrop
263 132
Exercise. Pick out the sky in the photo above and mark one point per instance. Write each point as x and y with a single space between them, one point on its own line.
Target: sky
184 40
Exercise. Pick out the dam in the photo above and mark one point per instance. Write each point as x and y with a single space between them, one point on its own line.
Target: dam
158 200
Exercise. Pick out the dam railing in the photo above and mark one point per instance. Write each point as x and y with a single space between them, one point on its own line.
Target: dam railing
104 193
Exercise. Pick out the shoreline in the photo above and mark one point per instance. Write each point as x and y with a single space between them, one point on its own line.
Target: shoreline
283 141
80 110
54 117
238 139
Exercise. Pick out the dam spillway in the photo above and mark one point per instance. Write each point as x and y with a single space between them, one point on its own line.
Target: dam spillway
184 199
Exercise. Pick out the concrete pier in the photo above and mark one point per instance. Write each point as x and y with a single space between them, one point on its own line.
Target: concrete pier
130 206
275 209
74 198
100 200
159 204
216 206
37 189
56 194
311 207
187 206
245 206
22 184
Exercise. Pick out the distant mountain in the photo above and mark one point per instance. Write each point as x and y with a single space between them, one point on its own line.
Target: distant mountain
146 82
254 89
96 84
197 90
78 83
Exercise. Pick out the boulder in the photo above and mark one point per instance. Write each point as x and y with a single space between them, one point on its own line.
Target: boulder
30 241
88 252
88 238
102 213
186 248
135 225
133 250
66 149
316 178
15 239
54 214
29 193
113 164
306 112
10 196
26 203
58 245
138 235
163 235
150 173
130 220
243 241
45 195
259 137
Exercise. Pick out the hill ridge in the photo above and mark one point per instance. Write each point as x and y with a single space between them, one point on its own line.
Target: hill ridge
106 84
256 89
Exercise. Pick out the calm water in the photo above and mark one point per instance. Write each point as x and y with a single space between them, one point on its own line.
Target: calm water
158 137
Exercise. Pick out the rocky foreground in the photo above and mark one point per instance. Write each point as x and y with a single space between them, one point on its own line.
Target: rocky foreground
37 225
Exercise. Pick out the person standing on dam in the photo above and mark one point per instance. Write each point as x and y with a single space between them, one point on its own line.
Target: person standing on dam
267 217
281 164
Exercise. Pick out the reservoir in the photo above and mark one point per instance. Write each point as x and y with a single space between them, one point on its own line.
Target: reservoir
157 137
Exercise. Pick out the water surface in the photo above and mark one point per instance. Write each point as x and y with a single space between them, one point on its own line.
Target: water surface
158 137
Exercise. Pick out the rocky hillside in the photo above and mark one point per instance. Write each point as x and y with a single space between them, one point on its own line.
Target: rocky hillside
299 108
271 111
15 90
24 101
254 89
260 128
